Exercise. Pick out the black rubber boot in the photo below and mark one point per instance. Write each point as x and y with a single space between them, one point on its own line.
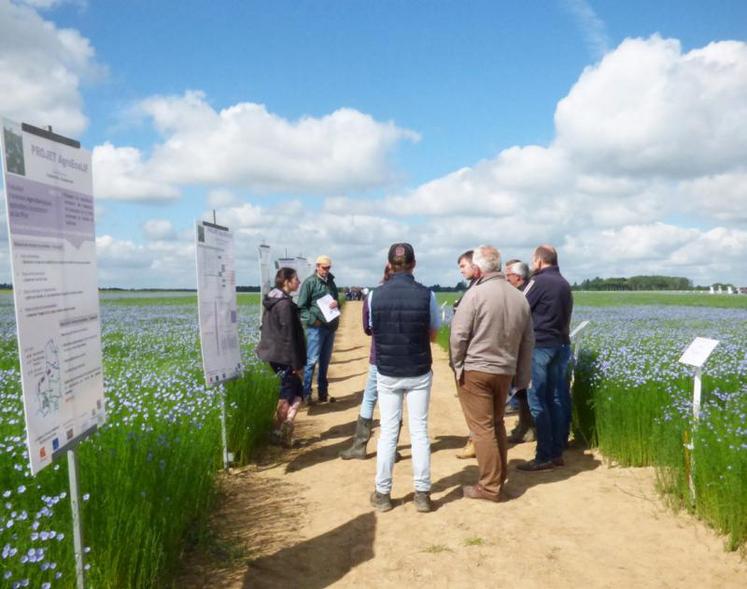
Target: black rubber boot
360 440
524 429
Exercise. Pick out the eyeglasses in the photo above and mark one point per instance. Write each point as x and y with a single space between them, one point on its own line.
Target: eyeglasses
324 267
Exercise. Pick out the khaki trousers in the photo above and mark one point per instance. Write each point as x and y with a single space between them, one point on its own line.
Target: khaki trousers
483 398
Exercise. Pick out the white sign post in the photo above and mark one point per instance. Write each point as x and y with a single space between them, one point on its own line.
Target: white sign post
218 313
50 210
696 355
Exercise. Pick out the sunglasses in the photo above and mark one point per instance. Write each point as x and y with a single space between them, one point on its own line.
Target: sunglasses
325 267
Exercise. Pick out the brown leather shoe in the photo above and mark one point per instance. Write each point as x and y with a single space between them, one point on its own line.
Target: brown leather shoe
477 492
468 451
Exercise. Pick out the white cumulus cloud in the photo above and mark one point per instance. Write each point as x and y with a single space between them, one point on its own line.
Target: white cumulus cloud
650 109
120 173
45 66
246 145
158 229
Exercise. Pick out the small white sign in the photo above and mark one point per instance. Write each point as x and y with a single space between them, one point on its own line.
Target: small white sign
698 351
328 312
578 329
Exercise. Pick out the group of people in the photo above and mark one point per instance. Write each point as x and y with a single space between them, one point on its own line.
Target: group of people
509 333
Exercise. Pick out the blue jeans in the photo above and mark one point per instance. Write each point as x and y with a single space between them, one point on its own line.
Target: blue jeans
319 342
370 394
550 401
392 394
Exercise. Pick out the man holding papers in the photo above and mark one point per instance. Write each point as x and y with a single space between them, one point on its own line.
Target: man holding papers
320 315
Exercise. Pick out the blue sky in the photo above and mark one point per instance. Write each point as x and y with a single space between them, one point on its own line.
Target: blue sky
435 122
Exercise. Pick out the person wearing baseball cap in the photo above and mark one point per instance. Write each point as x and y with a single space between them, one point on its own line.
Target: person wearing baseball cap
404 320
320 333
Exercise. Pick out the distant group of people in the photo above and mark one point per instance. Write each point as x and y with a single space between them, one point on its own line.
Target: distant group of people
355 293
509 333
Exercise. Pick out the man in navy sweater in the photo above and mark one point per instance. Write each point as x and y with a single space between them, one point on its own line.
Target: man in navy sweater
551 302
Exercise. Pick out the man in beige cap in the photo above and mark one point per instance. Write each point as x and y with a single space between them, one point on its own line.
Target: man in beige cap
320 333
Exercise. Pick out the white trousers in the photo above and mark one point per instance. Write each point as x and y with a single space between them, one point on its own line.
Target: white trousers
392 392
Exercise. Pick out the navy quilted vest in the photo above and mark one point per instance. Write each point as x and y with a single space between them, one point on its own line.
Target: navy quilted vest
400 314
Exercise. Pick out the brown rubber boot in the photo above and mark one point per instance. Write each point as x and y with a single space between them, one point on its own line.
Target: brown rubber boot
524 430
360 440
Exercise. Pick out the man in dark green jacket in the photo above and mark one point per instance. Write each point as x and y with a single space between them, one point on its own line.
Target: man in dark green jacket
320 334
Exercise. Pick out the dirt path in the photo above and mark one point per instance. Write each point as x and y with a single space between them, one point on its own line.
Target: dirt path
302 518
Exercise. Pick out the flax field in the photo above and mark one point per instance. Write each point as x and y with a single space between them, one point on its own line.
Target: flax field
148 477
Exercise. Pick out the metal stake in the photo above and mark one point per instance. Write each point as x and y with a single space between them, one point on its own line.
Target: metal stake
72 471
697 391
226 455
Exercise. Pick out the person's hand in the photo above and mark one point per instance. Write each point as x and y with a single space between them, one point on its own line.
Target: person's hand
333 305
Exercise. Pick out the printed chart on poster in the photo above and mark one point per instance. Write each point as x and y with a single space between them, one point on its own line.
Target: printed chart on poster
50 211
269 265
216 298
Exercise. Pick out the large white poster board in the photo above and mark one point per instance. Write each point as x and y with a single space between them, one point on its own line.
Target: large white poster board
50 210
216 301
269 265
266 271
300 264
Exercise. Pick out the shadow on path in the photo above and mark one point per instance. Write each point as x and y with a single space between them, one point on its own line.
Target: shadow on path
518 481
348 361
576 461
341 350
340 404
317 562
309 457
447 443
344 378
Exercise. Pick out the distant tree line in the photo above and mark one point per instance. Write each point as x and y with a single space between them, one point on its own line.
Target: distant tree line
636 283
460 286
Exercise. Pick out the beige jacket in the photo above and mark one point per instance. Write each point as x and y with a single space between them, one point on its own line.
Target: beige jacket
492 331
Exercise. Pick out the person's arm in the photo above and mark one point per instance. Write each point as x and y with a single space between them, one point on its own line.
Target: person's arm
334 292
370 315
533 293
365 317
435 317
286 324
304 302
524 359
461 334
